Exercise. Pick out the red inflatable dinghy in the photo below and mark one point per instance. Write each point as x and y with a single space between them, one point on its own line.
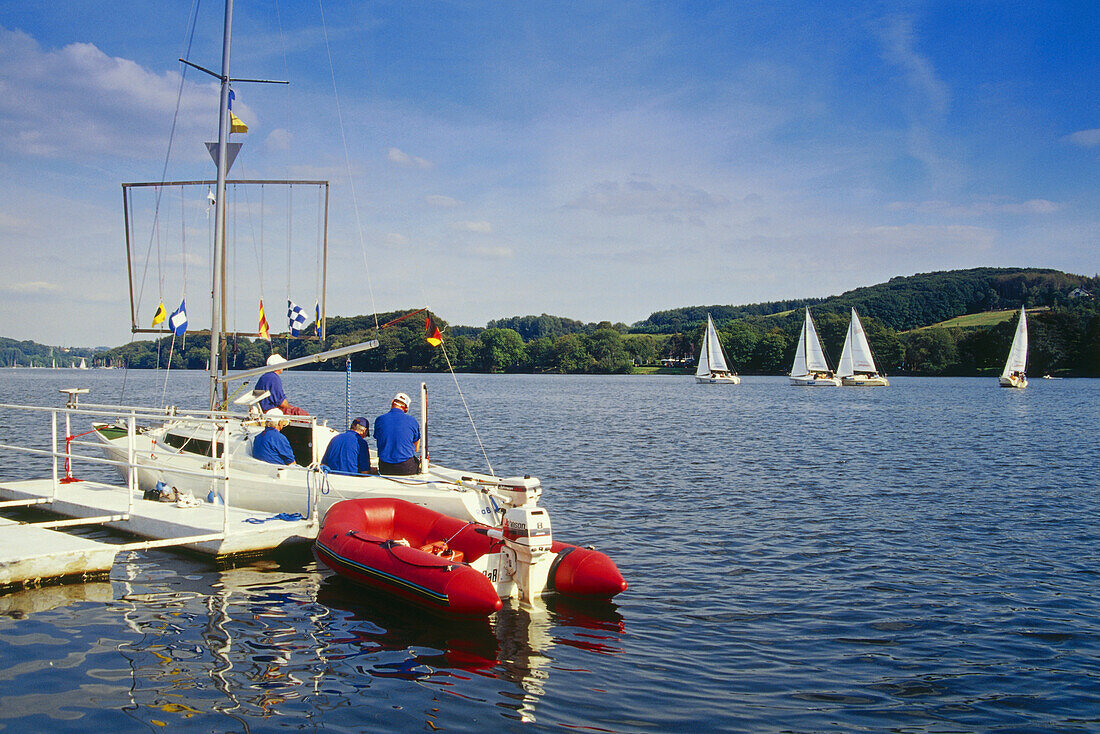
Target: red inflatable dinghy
424 556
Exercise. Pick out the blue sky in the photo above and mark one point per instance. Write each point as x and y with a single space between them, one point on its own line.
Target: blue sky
589 160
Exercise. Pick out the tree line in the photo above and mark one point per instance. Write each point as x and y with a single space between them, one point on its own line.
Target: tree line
898 316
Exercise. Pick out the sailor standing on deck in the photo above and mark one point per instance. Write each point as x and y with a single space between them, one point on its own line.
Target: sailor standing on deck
398 437
271 445
271 382
349 453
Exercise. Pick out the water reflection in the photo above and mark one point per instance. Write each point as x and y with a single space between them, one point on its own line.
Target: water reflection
171 641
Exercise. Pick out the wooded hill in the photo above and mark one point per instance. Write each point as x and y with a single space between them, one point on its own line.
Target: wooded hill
900 318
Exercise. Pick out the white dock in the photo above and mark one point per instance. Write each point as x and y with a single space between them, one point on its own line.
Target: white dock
32 552
29 554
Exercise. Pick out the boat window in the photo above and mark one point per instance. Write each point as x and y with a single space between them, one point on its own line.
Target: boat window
190 444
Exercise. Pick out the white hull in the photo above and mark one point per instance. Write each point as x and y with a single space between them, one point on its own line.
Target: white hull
1013 381
718 379
257 485
865 381
815 381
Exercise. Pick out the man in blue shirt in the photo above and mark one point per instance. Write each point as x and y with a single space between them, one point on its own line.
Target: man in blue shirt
349 453
271 445
398 437
271 382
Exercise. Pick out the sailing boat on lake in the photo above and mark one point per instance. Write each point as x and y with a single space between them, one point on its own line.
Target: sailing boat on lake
810 367
1015 371
713 366
857 366
182 449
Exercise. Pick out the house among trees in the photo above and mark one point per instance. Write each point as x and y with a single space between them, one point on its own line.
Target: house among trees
1079 293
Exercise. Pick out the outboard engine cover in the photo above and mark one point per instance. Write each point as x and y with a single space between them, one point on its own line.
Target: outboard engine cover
527 535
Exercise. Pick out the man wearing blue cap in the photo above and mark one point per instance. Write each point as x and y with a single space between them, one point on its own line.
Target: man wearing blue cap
349 453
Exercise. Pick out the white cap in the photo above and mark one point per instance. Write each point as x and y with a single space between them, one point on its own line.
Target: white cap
273 412
402 398
275 359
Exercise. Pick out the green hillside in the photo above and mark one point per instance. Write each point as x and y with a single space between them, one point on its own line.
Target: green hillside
905 303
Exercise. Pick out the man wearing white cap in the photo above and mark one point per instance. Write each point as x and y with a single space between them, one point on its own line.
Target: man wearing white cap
271 382
398 437
271 445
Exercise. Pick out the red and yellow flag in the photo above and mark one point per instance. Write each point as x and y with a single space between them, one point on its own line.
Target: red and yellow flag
264 333
434 337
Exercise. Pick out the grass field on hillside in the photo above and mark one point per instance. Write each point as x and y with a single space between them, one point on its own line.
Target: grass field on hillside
979 320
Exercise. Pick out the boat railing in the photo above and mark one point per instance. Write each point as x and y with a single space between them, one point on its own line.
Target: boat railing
63 458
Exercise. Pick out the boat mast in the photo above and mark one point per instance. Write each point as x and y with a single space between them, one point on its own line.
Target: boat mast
218 285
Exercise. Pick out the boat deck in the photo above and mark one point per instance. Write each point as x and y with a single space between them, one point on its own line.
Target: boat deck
33 552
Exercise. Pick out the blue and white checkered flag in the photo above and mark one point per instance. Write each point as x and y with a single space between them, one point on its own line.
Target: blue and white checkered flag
297 317
177 322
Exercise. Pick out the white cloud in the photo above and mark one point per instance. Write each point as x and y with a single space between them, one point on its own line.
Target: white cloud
278 140
899 47
32 288
931 237
495 252
443 202
479 227
395 238
634 198
1084 138
978 208
76 100
402 158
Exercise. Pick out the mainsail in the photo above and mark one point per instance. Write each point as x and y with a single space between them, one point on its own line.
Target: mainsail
809 357
1017 356
856 356
711 356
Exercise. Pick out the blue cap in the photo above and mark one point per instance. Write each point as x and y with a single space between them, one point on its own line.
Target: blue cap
361 421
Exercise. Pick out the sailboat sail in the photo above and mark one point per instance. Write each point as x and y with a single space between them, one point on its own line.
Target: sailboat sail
711 356
810 357
1017 356
856 356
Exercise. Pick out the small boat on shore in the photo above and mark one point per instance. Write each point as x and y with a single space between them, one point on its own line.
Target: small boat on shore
454 566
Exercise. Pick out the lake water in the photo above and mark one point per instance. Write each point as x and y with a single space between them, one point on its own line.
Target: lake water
919 558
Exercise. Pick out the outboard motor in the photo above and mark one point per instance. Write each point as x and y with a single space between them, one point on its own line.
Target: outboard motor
526 554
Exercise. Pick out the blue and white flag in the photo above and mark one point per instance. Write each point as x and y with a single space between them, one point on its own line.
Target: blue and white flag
297 317
317 313
177 322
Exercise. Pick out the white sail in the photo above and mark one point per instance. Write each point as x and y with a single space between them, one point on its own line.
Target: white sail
856 356
799 366
1017 356
712 358
809 357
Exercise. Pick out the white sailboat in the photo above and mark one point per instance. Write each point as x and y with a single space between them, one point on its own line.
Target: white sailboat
83 364
182 450
713 366
810 367
1015 371
857 366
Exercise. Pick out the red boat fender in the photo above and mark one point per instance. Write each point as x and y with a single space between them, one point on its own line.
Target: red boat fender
584 572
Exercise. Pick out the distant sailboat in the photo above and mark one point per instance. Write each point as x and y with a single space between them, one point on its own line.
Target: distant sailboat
857 366
713 367
83 364
1014 374
810 366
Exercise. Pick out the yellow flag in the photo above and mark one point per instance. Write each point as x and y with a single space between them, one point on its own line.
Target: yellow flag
160 315
235 124
264 329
